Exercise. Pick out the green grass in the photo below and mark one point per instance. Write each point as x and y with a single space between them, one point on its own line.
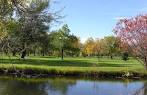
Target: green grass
76 65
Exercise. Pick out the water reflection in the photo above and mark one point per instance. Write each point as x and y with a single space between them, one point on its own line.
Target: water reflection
22 88
71 87
142 90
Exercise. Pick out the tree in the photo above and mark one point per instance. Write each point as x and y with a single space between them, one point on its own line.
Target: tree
59 39
6 11
25 23
34 24
64 33
88 48
125 56
8 6
133 31
2 32
64 42
111 45
73 46
98 47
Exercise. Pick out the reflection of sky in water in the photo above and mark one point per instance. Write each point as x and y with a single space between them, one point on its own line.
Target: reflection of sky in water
104 88
100 88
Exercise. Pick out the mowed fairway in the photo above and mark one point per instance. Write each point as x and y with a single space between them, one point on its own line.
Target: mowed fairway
74 64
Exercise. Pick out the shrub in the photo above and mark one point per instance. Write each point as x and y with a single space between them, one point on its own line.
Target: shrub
125 56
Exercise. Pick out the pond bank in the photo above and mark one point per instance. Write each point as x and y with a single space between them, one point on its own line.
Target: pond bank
75 67
46 73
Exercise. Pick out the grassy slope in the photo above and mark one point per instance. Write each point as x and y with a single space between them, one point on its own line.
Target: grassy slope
86 65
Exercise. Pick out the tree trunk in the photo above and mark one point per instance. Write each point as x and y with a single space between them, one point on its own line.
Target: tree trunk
145 62
28 53
34 53
13 53
43 54
62 53
24 53
145 66
111 56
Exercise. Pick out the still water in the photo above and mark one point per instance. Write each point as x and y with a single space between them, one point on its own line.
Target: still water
64 86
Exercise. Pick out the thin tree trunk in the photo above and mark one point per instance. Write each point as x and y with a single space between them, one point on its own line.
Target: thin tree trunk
62 54
111 56
34 53
24 53
43 54
13 53
145 62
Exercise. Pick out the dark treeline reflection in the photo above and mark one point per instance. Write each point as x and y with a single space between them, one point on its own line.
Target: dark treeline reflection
15 87
22 88
65 86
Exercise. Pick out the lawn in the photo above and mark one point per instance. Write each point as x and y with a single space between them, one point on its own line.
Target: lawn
77 64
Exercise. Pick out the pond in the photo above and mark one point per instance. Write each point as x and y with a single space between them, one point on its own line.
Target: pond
66 86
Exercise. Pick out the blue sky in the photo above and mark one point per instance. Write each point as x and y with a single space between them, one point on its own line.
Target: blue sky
97 18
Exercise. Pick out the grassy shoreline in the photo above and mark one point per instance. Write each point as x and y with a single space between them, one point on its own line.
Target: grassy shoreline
31 71
75 67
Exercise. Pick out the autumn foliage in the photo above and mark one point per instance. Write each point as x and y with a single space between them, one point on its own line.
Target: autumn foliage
133 31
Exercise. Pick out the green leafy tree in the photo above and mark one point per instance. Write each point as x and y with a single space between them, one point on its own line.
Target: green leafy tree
64 42
111 45
26 23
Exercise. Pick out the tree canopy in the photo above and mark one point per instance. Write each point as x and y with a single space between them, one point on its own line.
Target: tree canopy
133 31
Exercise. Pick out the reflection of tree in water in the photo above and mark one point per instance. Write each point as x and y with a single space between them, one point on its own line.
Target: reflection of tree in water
13 87
60 85
141 91
2 86
23 88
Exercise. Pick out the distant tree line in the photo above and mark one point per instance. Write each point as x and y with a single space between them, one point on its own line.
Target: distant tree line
108 46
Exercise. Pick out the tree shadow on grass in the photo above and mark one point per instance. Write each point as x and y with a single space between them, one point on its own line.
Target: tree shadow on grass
58 62
114 65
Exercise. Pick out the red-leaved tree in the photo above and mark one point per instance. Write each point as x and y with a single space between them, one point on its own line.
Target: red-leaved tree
133 31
